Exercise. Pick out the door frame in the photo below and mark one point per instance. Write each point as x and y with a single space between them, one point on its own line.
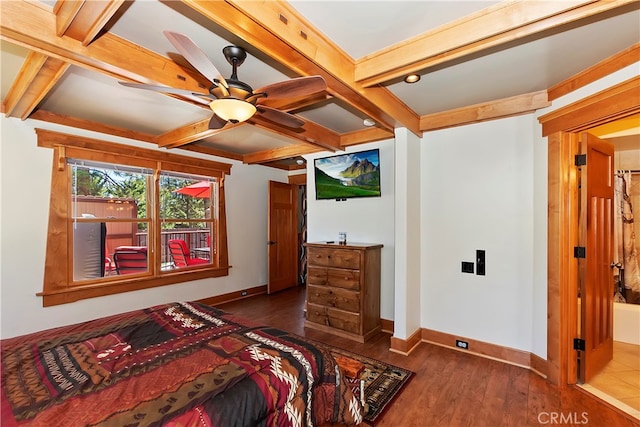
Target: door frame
562 128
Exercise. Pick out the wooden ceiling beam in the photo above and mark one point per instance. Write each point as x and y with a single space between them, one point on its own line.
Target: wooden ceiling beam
198 148
310 133
25 24
496 25
39 73
28 25
280 32
187 134
363 136
80 20
267 156
501 108
83 20
60 119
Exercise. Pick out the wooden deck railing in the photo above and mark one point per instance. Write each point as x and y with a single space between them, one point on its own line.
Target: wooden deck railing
195 238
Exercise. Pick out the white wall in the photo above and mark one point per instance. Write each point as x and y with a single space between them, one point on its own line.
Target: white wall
25 176
369 219
477 193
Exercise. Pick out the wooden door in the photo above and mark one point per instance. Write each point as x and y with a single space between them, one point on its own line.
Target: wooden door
282 236
596 288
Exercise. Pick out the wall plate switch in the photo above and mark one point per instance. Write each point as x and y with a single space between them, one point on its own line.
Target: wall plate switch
480 262
467 267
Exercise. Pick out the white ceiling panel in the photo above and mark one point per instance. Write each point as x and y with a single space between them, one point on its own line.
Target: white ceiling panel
11 61
243 139
92 96
522 68
363 27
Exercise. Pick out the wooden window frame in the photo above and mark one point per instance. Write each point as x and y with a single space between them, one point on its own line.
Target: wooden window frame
58 285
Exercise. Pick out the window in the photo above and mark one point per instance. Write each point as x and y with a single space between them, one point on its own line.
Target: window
123 218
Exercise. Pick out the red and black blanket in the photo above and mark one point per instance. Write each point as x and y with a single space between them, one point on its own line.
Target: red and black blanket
178 364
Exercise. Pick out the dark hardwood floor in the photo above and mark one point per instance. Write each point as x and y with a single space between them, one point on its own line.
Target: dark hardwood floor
450 388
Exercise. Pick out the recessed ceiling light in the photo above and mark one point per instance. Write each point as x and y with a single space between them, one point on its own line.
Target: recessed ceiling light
368 122
411 78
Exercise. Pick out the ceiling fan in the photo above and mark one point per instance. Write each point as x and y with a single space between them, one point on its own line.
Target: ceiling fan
232 100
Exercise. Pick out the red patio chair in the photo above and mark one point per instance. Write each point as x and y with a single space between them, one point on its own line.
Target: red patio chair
130 259
180 254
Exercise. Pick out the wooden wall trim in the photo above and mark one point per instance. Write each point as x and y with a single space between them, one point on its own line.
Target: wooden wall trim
51 139
500 353
387 326
503 354
234 296
610 65
562 270
538 365
299 179
613 103
405 347
492 110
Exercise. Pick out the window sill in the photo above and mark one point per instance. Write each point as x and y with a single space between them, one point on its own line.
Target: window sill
93 290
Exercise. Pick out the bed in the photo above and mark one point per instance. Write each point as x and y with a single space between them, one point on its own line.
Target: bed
176 364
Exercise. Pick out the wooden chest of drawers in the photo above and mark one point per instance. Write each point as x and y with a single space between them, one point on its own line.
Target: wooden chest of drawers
343 289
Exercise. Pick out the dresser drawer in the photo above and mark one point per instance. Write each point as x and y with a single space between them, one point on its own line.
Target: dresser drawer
335 318
316 276
342 278
334 297
334 257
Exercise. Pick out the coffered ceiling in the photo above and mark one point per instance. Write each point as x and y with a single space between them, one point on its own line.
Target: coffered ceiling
62 61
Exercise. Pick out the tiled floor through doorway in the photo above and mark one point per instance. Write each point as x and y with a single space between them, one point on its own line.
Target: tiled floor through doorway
620 379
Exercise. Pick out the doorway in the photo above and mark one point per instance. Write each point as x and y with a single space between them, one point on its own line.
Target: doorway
618 382
287 234
561 128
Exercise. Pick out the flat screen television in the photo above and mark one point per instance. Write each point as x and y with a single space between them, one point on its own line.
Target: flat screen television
348 175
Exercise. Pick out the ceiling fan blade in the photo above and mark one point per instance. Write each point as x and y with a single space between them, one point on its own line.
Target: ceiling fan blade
195 56
193 96
280 117
216 122
301 86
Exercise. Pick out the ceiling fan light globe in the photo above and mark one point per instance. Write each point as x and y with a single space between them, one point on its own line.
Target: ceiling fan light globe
232 110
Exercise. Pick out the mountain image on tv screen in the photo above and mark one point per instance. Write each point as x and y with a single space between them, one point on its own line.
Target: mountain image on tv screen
348 175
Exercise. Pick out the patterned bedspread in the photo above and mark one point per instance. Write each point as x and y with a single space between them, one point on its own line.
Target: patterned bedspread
178 364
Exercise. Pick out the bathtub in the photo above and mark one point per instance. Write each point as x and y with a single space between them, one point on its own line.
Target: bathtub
626 323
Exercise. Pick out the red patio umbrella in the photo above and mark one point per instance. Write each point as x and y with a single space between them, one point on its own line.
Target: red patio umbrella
199 189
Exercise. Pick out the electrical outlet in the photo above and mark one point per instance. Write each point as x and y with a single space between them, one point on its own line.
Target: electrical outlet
480 262
243 293
467 267
462 344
